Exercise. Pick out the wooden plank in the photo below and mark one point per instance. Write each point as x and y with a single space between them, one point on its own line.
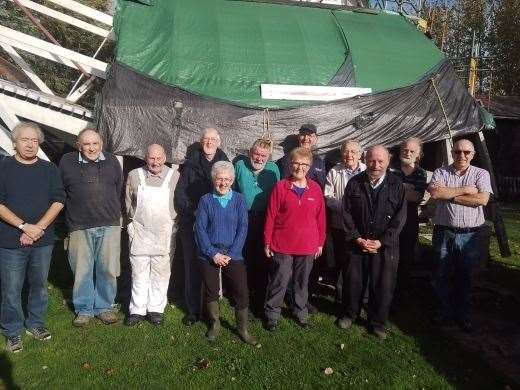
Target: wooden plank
309 92
53 52
26 68
64 18
85 11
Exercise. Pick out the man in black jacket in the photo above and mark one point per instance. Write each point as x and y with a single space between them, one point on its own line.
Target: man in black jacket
374 212
194 181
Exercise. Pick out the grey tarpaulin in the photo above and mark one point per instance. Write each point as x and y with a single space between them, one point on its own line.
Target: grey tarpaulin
136 111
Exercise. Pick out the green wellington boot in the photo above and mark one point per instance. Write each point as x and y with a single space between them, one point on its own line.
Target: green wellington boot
214 321
241 317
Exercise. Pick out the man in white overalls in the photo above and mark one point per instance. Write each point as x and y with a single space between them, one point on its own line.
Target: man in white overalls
149 205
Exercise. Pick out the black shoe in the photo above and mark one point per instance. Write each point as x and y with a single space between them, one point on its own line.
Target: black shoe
155 318
189 319
443 321
271 325
311 308
304 324
133 319
466 326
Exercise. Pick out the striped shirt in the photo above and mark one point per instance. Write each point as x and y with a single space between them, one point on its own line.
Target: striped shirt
456 215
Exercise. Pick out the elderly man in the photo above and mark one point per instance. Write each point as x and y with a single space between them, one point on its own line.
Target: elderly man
93 181
307 138
414 179
255 178
149 207
336 181
462 190
194 182
31 197
374 211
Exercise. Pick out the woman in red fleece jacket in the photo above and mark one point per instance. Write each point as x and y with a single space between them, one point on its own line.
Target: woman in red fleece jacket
294 235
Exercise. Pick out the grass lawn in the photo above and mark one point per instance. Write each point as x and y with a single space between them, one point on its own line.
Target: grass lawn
415 356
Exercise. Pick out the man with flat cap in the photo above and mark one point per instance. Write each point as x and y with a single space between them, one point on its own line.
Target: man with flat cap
307 138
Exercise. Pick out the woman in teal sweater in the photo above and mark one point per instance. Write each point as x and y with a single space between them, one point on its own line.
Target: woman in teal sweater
220 233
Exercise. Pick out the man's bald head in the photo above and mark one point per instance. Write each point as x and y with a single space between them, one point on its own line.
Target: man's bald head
378 159
155 158
155 149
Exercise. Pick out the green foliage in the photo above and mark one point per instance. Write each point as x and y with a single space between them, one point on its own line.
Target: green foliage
505 48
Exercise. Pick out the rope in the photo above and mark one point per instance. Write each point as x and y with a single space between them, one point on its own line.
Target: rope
266 123
443 110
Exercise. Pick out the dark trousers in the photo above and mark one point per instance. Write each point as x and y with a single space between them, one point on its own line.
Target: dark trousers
457 254
379 272
340 259
407 243
233 276
192 278
281 268
256 262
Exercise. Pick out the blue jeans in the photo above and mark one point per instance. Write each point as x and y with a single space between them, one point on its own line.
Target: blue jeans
457 253
94 256
15 266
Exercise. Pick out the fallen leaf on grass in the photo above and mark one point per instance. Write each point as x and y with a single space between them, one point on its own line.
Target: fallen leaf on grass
44 367
258 345
342 346
202 364
328 371
87 366
110 371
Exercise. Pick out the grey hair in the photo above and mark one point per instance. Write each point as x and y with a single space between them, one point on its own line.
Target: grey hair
221 166
15 134
207 129
379 146
353 142
80 134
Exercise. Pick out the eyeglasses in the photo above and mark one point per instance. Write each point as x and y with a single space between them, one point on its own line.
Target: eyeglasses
465 152
210 139
300 164
223 180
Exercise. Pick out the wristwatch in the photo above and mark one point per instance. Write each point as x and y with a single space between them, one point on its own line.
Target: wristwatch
20 227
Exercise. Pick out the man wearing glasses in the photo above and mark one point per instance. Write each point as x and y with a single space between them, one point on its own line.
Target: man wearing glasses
194 182
462 190
93 180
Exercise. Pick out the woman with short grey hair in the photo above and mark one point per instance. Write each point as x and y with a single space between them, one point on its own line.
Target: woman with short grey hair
220 234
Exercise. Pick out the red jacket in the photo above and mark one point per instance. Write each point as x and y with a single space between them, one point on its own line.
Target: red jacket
294 225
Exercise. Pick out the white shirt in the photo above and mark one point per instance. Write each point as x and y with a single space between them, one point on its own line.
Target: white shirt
335 184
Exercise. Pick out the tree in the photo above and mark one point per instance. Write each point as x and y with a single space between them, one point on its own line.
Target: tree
505 47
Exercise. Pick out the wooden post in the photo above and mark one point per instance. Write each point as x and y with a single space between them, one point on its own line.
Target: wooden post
493 205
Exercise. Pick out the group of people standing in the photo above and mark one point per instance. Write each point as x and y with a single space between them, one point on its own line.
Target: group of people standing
255 227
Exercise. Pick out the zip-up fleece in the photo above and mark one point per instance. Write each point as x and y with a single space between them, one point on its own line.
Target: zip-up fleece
295 225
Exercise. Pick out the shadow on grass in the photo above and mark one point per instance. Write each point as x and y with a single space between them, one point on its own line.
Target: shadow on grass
6 373
457 356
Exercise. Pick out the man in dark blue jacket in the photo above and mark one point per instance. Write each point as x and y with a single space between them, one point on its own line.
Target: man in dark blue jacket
194 182
374 213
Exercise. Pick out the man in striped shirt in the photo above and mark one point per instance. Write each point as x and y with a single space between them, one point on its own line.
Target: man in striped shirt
462 190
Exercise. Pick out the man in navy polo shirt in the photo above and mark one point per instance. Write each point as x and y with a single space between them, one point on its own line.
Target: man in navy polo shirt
31 197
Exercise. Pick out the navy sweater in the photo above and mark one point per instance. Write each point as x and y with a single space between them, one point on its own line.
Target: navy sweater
221 229
93 191
28 191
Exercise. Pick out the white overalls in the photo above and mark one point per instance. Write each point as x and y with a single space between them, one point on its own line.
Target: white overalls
150 234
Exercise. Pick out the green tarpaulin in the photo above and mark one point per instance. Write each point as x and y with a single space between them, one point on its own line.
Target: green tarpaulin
226 49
